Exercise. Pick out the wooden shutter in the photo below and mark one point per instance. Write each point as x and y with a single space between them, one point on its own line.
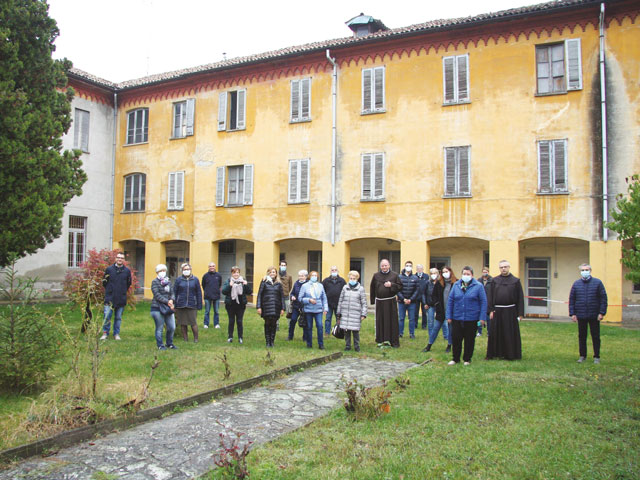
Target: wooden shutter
366 90
305 107
448 69
559 166
242 109
379 88
450 171
172 191
222 111
248 185
573 58
304 180
378 174
220 186
295 100
191 113
293 181
176 191
544 167
464 171
366 176
462 64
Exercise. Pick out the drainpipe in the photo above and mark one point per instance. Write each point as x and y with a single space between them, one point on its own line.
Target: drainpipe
113 168
334 97
603 110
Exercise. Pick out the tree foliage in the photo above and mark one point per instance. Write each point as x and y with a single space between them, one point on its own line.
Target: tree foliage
626 223
37 177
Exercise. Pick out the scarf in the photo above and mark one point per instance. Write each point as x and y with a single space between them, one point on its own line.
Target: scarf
236 289
164 282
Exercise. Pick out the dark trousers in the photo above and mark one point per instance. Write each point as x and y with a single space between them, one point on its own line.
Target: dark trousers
422 308
235 312
356 339
463 331
594 325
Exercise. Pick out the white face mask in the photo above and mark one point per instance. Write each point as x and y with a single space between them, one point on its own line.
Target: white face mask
186 273
162 274
466 278
446 275
434 276
408 268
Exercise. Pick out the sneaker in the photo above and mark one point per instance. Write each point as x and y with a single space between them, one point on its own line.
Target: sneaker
116 337
412 337
448 349
104 336
478 334
230 339
172 347
357 349
217 326
581 359
239 340
467 363
346 349
400 335
162 347
206 326
596 361
451 363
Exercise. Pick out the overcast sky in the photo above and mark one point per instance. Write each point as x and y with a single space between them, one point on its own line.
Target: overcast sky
125 39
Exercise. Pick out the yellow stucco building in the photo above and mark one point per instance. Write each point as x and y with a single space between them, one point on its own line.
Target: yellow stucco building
451 142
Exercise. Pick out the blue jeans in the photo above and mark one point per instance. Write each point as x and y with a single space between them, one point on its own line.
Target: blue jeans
433 333
161 320
106 326
318 320
411 310
431 316
327 322
207 308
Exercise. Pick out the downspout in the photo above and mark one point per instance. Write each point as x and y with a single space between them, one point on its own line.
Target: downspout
334 97
603 110
113 168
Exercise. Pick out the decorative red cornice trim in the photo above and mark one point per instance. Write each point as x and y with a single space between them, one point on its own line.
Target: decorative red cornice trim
91 92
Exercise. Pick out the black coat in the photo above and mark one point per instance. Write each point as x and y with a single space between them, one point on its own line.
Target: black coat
226 290
333 289
270 299
437 298
116 282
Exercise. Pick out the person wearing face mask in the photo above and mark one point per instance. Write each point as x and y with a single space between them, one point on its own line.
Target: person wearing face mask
449 280
188 300
162 307
211 285
466 306
333 285
487 283
421 306
587 307
297 307
408 299
116 283
506 307
384 287
235 290
270 304
439 319
352 310
287 283
314 300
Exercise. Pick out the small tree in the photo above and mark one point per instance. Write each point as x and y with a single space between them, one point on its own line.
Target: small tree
626 223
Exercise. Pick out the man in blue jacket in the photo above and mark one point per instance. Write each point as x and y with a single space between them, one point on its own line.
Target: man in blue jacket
211 285
116 283
408 299
588 306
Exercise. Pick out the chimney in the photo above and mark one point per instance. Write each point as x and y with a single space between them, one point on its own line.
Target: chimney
363 25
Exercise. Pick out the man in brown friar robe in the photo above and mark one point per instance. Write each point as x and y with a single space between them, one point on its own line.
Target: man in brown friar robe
506 307
385 284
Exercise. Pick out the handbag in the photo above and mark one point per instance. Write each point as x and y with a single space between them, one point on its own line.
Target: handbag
302 319
289 310
337 331
164 308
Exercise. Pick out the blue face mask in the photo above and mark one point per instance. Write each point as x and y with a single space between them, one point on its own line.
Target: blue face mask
314 279
585 273
353 283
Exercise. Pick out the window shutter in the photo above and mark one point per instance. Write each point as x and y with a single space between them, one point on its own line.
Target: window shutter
544 167
366 176
366 90
293 181
306 99
464 171
574 64
303 194
449 171
191 110
76 129
379 88
179 198
142 178
378 171
295 100
559 166
220 186
242 109
127 193
222 111
171 200
463 77
130 127
85 132
448 67
248 185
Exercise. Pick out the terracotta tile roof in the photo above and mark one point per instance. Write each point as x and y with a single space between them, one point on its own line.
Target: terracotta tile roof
81 74
432 25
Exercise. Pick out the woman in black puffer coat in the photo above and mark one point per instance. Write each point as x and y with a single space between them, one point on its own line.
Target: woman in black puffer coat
270 304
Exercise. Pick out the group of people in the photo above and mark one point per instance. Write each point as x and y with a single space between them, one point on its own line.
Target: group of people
458 307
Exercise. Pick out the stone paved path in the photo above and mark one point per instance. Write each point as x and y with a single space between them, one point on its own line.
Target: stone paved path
181 446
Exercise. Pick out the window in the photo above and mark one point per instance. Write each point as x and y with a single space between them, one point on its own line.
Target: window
314 262
299 181
485 258
183 115
232 110
439 262
77 240
393 256
552 166
176 191
373 90
372 176
301 100
456 79
81 130
239 186
559 67
138 126
135 186
457 172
